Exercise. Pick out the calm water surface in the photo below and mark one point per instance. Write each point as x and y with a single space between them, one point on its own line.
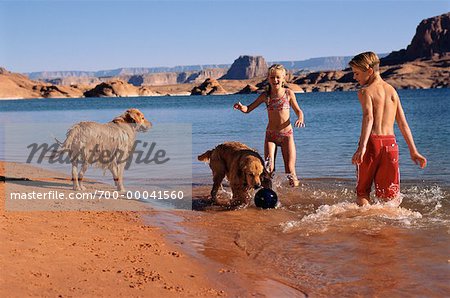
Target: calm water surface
318 241
324 147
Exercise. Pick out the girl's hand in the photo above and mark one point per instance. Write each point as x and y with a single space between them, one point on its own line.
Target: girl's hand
299 123
240 107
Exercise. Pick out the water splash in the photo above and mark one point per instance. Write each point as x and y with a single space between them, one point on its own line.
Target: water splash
280 182
346 213
431 198
224 194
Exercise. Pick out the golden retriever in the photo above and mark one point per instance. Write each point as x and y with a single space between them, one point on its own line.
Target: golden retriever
243 167
107 146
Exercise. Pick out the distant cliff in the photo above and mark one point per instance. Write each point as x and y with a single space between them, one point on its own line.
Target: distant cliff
118 88
208 87
246 67
15 86
425 63
191 73
410 75
156 79
202 75
171 78
129 71
432 38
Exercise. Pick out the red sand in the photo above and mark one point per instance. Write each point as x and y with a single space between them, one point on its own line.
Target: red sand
87 253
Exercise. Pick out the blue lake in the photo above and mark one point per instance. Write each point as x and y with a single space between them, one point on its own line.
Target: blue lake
324 147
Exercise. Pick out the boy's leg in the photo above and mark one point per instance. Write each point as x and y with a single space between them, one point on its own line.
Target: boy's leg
365 173
289 156
363 201
363 187
387 179
367 170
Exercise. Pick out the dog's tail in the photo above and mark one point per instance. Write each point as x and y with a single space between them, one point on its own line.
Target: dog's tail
205 156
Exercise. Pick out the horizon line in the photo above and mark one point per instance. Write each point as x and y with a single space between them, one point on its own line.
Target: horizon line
184 65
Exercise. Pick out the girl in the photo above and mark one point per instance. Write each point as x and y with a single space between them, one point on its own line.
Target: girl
279 131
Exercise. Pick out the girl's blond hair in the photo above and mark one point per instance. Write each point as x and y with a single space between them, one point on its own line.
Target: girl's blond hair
365 61
275 67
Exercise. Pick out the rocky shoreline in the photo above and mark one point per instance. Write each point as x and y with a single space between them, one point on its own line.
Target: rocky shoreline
424 64
417 74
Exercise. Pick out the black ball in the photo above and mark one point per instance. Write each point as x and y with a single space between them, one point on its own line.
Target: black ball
266 198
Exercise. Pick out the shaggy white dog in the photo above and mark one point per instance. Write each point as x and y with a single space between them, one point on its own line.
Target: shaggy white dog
107 146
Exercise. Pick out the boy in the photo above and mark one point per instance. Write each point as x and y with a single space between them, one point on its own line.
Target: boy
377 154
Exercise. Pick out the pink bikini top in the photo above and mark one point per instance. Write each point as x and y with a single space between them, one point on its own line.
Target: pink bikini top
278 104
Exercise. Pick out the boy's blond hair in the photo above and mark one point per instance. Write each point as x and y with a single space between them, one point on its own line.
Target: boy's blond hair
366 60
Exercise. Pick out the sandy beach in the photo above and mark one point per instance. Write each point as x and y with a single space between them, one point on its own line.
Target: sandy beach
50 249
89 253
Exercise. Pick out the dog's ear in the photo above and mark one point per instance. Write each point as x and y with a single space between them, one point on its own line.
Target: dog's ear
134 116
119 119
130 116
239 173
240 168
124 118
242 164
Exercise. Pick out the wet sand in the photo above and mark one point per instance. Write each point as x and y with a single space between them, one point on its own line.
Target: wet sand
321 244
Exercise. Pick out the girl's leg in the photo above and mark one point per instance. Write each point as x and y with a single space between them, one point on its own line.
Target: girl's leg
270 152
289 156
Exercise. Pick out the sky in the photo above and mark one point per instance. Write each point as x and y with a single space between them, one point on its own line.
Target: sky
108 34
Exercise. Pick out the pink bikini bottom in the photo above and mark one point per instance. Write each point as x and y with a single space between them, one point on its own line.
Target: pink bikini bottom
278 137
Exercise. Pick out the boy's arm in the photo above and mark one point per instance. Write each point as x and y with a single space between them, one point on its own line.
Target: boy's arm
247 109
366 125
300 122
406 132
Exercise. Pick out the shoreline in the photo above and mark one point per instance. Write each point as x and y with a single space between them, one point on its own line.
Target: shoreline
168 95
184 94
422 73
61 251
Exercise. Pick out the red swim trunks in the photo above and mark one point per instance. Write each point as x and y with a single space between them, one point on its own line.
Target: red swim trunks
380 165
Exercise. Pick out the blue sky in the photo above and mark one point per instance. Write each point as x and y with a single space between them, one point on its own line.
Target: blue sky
96 35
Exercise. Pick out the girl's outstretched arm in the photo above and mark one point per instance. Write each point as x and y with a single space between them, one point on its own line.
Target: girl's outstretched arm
300 122
247 109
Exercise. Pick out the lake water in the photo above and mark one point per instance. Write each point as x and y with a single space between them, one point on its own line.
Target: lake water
325 146
318 242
